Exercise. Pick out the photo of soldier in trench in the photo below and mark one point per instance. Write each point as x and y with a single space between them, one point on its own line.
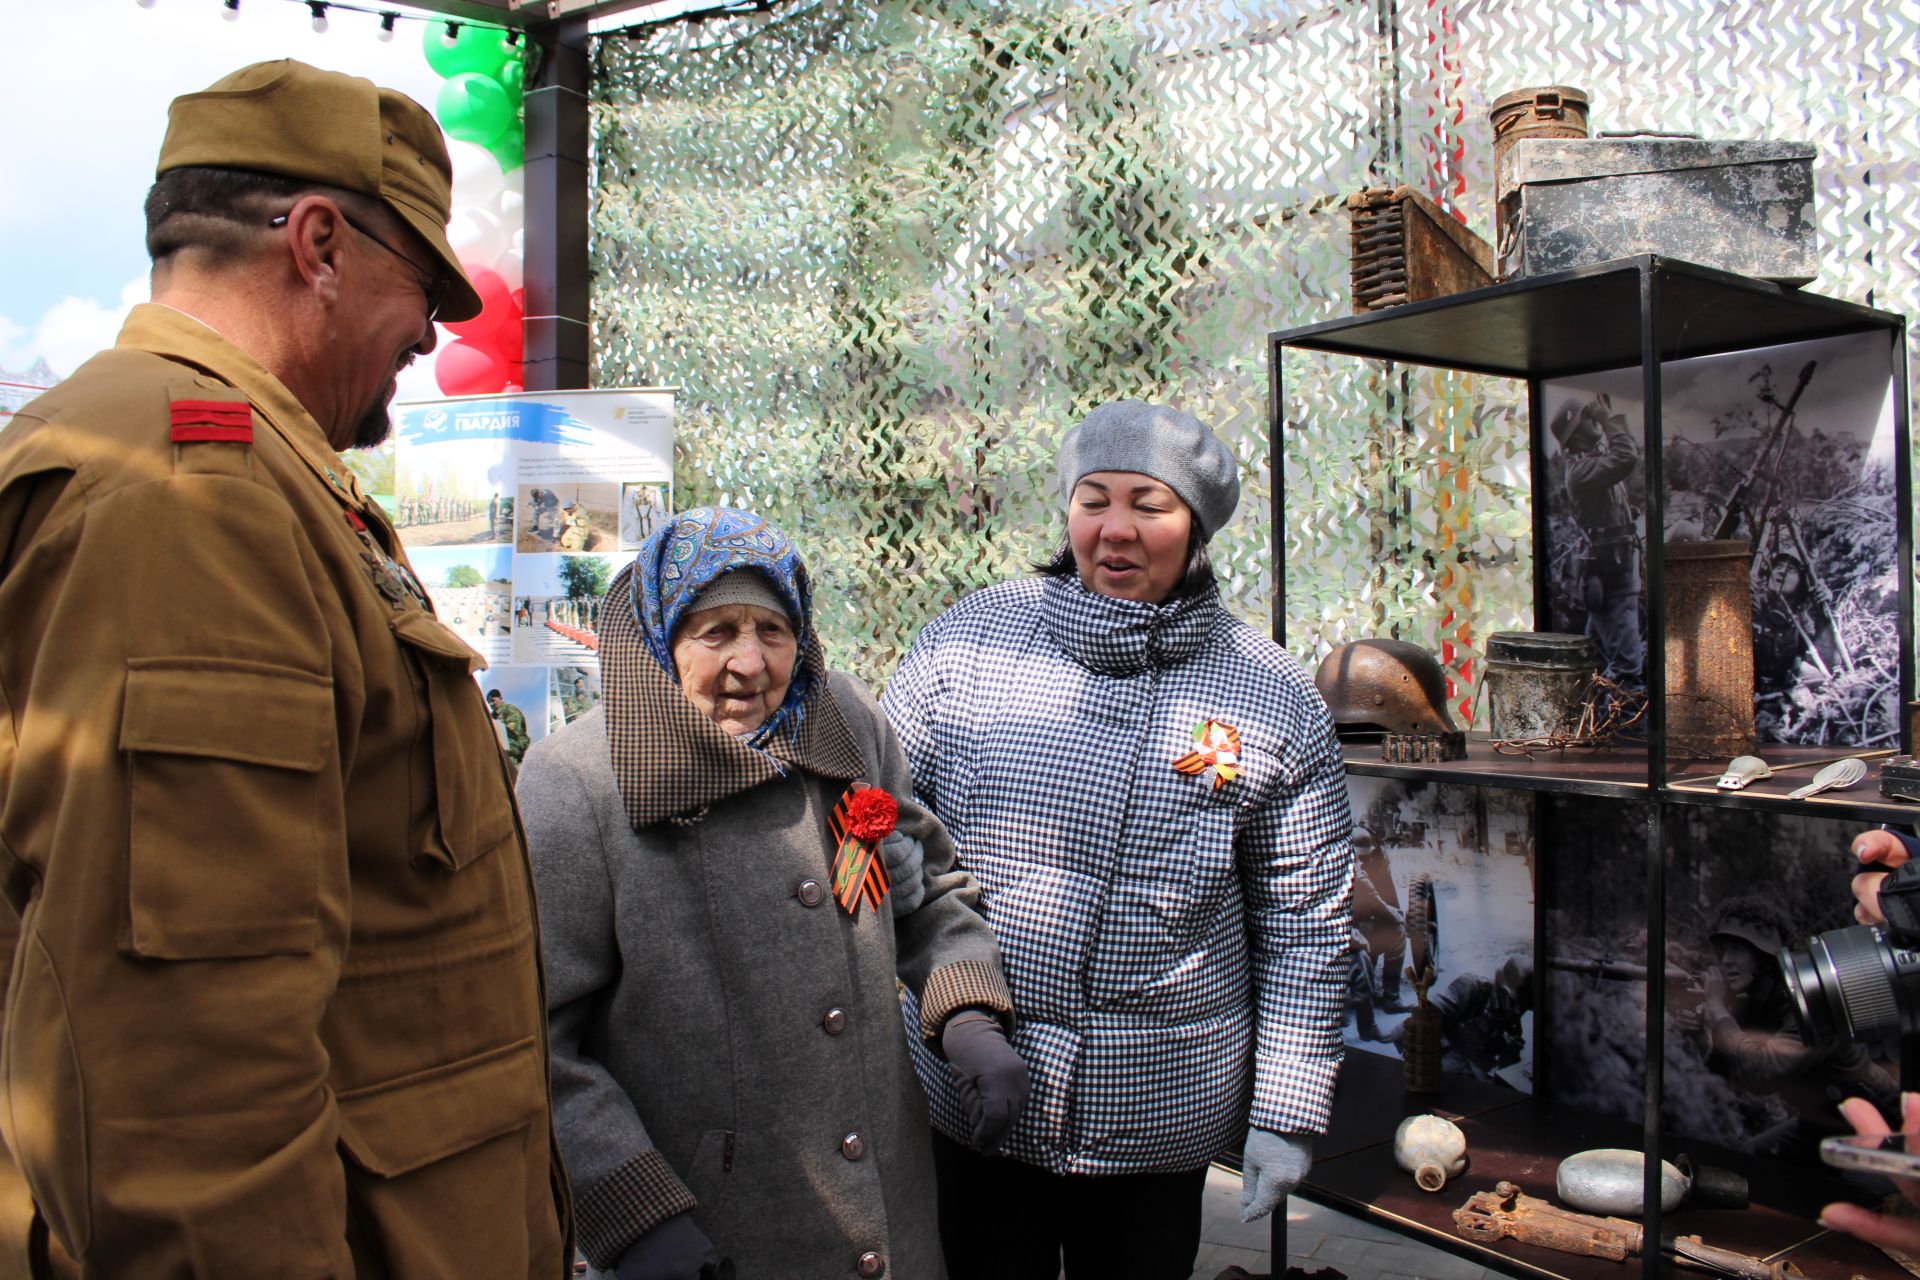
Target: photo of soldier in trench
1740 1073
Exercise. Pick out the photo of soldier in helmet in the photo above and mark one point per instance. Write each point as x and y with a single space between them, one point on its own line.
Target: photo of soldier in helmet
1600 471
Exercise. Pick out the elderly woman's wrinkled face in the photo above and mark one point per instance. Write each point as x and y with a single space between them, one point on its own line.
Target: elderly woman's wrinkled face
1129 535
735 663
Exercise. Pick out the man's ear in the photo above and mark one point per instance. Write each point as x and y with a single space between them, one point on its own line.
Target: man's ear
316 233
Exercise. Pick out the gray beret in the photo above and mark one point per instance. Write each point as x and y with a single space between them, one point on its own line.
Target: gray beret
739 586
1174 448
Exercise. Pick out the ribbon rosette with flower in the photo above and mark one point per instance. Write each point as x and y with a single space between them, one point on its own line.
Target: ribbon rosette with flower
864 817
1216 746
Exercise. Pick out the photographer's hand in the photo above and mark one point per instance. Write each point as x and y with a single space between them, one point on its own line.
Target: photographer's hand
1879 1228
1881 849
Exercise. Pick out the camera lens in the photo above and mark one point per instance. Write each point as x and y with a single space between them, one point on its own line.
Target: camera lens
1853 985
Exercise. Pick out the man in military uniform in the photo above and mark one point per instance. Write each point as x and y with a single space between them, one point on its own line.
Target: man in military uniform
275 1003
513 720
1601 460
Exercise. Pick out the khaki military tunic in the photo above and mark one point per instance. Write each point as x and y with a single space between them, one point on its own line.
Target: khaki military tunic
274 1007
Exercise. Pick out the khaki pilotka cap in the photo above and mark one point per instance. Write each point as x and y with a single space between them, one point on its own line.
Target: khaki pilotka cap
297 121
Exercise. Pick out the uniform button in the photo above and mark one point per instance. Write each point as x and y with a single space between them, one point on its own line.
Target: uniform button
853 1146
835 1022
810 893
871 1264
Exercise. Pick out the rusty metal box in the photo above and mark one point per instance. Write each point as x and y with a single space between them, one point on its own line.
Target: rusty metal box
1740 206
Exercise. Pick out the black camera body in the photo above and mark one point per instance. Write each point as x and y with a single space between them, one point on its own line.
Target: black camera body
1862 983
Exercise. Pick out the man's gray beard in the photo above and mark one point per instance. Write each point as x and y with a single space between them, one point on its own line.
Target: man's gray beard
375 426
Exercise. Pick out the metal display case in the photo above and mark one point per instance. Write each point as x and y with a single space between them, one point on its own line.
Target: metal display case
1635 315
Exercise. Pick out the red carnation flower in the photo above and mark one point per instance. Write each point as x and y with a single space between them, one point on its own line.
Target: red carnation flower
871 814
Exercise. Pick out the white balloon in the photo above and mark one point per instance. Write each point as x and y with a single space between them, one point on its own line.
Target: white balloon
512 206
476 174
476 236
509 266
520 243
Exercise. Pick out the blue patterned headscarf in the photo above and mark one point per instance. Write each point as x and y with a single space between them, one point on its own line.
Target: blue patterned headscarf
681 558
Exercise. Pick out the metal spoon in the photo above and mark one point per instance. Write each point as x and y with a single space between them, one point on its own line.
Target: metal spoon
1742 770
1837 776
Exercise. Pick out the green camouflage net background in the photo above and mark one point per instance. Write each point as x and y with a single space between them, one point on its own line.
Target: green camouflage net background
890 252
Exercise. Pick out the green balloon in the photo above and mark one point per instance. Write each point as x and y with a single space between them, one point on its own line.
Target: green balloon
509 149
513 78
474 108
477 50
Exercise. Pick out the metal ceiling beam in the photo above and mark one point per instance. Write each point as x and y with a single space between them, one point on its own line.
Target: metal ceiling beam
527 13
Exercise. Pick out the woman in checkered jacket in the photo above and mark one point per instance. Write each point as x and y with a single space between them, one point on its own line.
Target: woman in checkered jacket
1150 795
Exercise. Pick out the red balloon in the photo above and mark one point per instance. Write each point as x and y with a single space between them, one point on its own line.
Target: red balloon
466 368
497 307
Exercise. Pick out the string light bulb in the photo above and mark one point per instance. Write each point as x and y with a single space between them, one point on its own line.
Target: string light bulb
144 4
451 36
512 41
230 10
319 10
387 19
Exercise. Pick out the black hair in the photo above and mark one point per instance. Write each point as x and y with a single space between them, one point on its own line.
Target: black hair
1197 577
217 211
494 693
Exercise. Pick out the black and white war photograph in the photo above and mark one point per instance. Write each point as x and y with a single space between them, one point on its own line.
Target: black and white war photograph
1740 1072
1443 880
1786 449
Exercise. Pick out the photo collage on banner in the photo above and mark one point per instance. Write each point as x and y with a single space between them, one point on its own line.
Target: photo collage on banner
517 511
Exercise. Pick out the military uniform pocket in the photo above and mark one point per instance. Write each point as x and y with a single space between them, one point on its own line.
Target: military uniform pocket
473 814
225 833
398 1126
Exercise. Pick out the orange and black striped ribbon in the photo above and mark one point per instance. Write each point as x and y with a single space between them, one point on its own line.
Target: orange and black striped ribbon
859 872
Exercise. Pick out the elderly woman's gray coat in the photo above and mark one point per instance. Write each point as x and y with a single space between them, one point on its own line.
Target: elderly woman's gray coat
725 1037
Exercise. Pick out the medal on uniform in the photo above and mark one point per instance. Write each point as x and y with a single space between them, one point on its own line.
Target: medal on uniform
1216 747
863 818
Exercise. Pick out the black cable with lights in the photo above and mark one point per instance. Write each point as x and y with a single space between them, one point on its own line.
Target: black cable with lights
389 18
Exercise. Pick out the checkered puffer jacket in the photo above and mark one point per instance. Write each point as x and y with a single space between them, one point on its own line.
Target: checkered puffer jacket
1176 949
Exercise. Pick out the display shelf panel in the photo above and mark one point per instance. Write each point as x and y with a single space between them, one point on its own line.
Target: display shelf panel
1589 318
1621 773
1523 1141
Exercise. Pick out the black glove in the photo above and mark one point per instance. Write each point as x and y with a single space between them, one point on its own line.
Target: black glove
675 1249
990 1076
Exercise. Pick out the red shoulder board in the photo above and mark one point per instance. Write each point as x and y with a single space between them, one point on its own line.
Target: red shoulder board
201 419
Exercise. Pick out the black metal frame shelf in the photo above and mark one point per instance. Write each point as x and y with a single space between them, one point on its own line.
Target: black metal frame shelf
1632 313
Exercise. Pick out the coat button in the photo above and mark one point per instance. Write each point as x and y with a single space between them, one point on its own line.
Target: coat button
810 893
853 1146
835 1022
871 1264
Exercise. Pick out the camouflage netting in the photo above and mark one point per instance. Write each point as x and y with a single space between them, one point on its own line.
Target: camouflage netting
889 251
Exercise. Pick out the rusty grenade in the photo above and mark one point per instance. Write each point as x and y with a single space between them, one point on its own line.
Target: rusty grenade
1420 1039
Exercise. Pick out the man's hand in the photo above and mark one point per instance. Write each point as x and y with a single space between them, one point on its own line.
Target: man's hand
1879 1228
1881 849
1271 1165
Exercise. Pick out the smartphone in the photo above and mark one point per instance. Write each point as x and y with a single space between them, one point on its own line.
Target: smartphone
1894 1154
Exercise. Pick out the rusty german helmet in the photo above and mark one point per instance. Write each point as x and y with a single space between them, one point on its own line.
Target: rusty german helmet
1384 684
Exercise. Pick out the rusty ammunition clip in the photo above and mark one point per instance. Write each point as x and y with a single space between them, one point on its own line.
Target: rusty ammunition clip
1727 1262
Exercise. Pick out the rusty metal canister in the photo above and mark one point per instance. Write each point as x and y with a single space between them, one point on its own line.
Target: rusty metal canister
1709 590
1551 111
1536 682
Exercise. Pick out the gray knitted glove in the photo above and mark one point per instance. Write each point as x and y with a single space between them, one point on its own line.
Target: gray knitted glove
1272 1165
905 859
989 1075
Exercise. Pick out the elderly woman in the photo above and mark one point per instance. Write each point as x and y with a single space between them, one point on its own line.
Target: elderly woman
1151 797
731 1081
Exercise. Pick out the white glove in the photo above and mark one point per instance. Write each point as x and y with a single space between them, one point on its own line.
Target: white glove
905 858
1272 1165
